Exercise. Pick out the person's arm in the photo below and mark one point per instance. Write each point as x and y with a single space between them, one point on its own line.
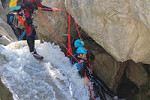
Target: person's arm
42 7
45 8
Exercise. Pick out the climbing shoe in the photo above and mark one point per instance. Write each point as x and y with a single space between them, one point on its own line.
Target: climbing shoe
37 56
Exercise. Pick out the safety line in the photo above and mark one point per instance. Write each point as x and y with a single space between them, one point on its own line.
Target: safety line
67 50
77 29
89 85
69 38
58 38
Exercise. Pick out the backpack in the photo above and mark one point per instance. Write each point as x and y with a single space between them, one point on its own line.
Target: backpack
15 5
12 18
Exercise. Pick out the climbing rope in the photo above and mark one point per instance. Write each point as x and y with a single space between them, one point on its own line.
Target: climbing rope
89 85
89 62
69 20
77 29
69 38
58 38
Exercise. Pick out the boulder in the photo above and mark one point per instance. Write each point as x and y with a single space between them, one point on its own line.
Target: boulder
2 11
6 33
121 27
137 74
140 11
109 70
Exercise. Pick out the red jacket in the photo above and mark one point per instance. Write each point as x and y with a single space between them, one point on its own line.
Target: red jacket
30 9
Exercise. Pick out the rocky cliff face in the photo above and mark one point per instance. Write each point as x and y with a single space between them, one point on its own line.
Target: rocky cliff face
56 19
6 33
121 27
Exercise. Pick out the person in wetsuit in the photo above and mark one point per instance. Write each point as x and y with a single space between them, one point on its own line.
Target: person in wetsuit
99 87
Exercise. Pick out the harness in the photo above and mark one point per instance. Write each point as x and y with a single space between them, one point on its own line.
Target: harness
26 6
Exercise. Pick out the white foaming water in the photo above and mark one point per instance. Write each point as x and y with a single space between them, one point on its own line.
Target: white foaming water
52 79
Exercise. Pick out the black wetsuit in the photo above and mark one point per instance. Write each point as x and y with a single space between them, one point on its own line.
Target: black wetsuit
99 87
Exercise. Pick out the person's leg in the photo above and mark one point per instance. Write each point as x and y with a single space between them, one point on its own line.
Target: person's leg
30 31
98 91
10 18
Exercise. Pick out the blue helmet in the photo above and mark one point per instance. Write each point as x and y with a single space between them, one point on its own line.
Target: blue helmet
81 50
78 43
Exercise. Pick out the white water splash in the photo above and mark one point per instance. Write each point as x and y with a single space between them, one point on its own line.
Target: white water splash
52 79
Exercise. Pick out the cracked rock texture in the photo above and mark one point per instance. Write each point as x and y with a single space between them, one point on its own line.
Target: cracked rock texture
121 27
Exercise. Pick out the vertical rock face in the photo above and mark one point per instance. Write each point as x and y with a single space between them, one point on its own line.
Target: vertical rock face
2 15
6 33
121 27
56 19
140 11
109 69
137 74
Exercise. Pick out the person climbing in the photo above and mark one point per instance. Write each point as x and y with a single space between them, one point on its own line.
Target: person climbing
27 9
99 87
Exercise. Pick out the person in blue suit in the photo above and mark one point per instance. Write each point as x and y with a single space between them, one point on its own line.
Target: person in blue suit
99 87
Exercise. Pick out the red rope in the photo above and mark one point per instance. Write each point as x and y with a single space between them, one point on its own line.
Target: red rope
89 62
69 38
77 29
67 50
58 38
89 85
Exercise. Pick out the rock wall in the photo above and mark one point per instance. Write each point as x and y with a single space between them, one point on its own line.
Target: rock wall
6 33
109 69
121 27
137 74
57 21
